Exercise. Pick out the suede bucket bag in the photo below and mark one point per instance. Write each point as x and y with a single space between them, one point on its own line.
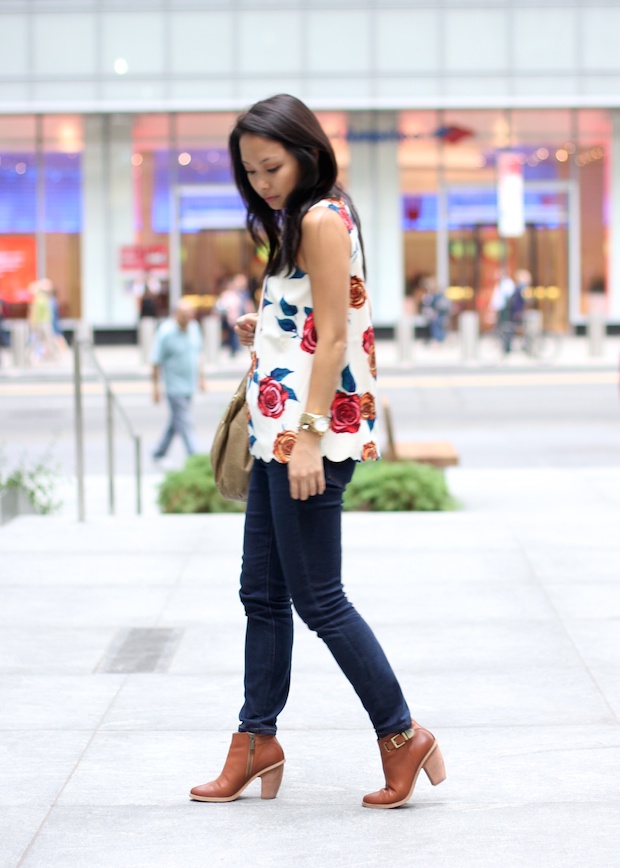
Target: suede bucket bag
230 454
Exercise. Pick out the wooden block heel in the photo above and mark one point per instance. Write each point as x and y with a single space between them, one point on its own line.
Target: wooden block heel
270 782
434 766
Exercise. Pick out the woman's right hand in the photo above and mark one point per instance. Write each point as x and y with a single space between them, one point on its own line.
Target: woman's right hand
246 327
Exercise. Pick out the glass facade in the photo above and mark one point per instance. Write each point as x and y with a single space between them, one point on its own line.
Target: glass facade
186 214
40 207
449 182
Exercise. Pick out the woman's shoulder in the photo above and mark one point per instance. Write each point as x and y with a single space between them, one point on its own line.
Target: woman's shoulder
328 213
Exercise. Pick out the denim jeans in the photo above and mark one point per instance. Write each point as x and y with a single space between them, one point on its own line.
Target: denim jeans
179 423
292 553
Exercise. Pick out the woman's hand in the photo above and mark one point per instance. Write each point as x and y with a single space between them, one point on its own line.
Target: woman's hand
246 327
305 467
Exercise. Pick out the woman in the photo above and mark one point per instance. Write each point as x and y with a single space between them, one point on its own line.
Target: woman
312 412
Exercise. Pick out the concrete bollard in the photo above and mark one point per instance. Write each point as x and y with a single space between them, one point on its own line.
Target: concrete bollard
212 334
20 348
405 339
532 323
469 331
146 333
596 332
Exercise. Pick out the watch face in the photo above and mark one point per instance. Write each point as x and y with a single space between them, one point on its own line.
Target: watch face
321 425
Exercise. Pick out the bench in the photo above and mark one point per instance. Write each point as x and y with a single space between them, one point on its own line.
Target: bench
438 453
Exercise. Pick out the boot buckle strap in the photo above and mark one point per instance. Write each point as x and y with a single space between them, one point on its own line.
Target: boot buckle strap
405 736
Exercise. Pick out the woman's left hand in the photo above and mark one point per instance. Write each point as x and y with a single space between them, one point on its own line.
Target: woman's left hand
305 467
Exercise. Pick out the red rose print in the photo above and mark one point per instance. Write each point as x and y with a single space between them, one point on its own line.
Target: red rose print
308 341
368 343
369 451
367 406
283 446
344 214
346 413
272 397
357 295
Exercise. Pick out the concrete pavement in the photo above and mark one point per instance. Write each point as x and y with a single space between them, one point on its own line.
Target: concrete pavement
126 361
121 673
121 676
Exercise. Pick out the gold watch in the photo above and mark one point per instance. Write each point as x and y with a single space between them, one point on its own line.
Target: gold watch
314 422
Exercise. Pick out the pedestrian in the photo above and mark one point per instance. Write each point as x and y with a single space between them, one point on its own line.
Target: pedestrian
233 302
177 354
60 342
40 313
435 309
508 303
311 400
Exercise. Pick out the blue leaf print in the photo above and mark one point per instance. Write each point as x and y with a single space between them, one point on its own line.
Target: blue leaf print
287 325
280 373
291 394
371 423
297 274
252 441
288 309
307 311
348 381
266 302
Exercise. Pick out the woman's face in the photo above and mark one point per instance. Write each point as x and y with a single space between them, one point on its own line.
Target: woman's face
272 171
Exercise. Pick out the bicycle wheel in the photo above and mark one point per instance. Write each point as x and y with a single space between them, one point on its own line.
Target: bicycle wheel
545 347
491 348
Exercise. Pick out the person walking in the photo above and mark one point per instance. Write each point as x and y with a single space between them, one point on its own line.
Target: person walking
176 354
311 400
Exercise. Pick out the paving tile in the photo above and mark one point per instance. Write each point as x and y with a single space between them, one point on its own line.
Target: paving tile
409 531
574 563
329 828
591 599
71 606
52 650
437 564
36 765
153 702
59 702
107 568
18 826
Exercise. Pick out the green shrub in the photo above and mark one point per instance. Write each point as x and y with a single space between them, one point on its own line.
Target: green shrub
192 489
397 486
39 479
377 486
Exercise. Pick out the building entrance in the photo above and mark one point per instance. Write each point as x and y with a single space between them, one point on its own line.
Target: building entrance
208 242
468 255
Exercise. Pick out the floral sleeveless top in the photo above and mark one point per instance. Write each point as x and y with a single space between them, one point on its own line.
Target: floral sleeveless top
284 344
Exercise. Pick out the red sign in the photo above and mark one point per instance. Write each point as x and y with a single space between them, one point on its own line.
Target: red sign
144 257
18 267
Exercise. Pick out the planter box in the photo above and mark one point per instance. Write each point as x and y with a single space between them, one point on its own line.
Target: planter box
14 502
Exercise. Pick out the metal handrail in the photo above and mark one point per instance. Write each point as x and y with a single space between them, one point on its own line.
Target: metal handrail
112 403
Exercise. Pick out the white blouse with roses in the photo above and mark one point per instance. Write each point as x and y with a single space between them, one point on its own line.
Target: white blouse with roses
284 344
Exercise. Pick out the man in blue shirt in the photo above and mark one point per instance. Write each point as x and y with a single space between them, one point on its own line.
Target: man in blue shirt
176 353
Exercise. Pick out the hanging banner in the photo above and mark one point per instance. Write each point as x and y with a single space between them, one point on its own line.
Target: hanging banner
510 199
18 267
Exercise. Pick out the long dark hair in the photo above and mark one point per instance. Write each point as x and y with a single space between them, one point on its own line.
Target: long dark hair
287 120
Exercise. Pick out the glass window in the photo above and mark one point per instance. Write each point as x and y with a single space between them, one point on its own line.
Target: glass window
18 210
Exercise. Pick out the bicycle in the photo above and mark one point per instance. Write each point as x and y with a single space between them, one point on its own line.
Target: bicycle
509 339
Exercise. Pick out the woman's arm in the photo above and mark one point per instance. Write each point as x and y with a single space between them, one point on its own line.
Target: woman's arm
324 254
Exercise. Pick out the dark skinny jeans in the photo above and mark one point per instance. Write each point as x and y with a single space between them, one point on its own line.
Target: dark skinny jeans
292 553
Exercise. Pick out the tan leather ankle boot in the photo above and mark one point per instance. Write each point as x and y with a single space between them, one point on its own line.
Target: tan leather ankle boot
250 756
403 755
